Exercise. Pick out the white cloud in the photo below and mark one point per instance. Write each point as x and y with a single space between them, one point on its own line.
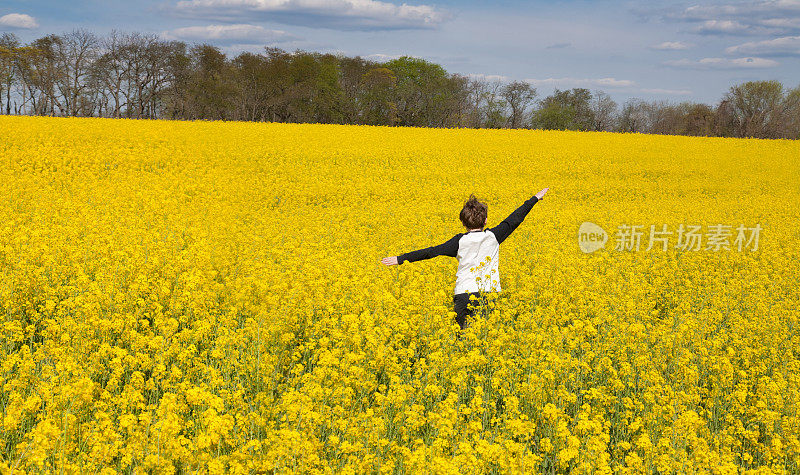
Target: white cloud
785 46
723 63
669 92
672 46
489 77
19 20
782 23
727 27
753 17
581 82
334 14
229 34
747 9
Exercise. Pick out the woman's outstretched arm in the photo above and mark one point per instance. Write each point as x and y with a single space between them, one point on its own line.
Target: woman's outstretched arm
447 248
512 222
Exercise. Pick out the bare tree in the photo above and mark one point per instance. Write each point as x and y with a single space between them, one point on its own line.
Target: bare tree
604 111
40 74
699 120
757 108
112 71
75 54
664 117
518 96
633 117
457 107
9 49
136 59
725 123
494 108
477 89
157 77
791 106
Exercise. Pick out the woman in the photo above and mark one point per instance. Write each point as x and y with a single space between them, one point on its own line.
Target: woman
477 251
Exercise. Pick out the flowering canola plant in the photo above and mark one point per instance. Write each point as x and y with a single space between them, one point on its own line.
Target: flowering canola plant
206 296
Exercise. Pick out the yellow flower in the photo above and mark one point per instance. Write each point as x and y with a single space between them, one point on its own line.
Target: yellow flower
198 297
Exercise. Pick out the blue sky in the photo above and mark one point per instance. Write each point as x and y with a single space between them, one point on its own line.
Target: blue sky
670 51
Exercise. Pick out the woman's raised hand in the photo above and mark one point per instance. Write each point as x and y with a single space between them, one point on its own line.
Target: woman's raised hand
540 195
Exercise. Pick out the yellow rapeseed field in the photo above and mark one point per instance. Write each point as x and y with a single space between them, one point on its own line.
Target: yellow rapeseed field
183 297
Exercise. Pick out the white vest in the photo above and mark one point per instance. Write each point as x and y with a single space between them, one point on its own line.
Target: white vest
478 259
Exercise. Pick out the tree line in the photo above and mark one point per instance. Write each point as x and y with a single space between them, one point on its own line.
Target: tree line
142 76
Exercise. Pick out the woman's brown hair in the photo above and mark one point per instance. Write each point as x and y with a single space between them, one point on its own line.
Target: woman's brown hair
474 213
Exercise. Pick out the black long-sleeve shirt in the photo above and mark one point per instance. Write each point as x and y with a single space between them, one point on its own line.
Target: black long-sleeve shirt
451 246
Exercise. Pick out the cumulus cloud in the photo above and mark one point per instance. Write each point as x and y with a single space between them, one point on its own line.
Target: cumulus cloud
726 27
229 34
788 24
785 46
723 63
581 82
19 20
748 9
334 14
672 46
754 17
